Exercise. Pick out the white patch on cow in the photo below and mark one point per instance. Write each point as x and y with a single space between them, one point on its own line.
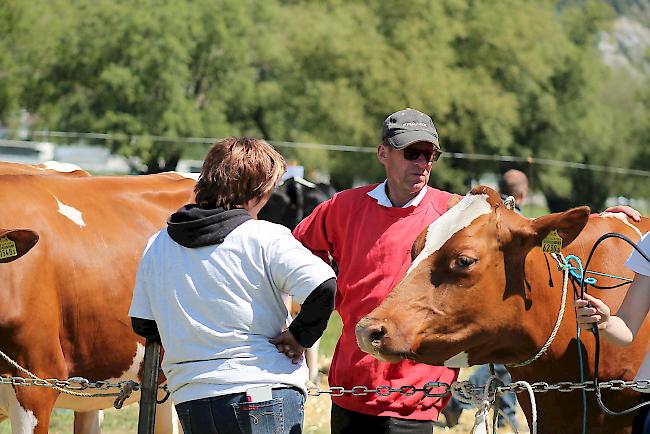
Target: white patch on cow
83 404
132 372
622 217
61 167
190 175
71 213
458 217
22 421
460 360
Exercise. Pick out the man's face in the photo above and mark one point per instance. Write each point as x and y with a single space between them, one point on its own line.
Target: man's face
410 175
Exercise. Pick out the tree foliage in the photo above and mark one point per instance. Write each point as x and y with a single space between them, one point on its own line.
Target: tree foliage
501 77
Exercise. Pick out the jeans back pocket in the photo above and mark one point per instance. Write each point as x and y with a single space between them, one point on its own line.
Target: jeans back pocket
260 417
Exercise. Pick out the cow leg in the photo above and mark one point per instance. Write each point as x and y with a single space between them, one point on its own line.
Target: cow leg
29 410
311 355
166 418
88 422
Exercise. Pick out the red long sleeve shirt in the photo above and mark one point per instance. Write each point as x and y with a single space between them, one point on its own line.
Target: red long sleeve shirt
372 246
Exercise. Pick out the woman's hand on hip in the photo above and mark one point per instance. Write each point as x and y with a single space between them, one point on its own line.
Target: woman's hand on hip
287 344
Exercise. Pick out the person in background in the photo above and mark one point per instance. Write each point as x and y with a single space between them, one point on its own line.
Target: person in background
514 183
210 286
369 231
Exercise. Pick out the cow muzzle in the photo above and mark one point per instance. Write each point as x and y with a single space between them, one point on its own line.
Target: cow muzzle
375 338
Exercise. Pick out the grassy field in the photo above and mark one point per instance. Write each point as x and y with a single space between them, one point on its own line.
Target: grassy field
317 409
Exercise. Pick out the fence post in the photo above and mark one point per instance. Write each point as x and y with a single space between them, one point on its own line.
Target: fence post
149 388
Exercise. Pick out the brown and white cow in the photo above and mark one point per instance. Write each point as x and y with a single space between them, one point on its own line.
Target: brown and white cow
481 290
65 304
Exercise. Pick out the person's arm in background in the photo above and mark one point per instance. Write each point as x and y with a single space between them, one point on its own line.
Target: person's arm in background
623 327
627 210
310 323
619 329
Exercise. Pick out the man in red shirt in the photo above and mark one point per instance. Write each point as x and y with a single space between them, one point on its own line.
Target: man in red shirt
369 232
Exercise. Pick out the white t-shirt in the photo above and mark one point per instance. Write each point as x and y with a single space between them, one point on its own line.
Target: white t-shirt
636 262
217 306
639 265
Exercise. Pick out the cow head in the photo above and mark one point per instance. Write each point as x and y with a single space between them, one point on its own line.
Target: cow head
14 243
463 298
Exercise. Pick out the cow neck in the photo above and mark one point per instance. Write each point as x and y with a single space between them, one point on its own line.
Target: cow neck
192 226
557 313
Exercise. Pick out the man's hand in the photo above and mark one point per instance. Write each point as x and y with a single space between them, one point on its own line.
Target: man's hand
627 210
287 344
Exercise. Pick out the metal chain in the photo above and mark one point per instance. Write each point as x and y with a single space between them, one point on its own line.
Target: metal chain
432 389
73 385
429 389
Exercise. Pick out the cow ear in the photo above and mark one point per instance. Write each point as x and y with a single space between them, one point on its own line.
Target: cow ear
568 224
419 243
14 243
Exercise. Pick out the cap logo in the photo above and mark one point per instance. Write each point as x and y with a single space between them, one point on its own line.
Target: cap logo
413 124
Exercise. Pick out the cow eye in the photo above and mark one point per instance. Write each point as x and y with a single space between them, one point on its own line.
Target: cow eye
465 261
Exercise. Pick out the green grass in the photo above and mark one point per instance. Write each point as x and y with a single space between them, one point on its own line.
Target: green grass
123 421
331 335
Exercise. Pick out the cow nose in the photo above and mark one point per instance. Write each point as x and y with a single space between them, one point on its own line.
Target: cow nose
370 334
375 333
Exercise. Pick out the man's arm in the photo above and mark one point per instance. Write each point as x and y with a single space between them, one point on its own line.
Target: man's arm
312 232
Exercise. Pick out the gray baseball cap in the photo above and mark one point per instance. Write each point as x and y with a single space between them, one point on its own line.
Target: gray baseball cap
408 126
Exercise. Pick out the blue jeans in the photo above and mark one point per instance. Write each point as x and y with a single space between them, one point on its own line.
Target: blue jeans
508 400
228 414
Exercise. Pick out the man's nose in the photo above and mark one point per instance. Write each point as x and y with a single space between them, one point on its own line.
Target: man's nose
422 160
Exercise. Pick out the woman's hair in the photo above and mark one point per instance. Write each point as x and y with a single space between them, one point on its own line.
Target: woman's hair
236 170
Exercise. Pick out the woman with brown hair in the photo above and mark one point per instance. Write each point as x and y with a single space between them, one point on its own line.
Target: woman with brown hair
212 283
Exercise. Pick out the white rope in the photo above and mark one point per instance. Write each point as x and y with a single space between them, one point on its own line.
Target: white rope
558 322
533 404
463 393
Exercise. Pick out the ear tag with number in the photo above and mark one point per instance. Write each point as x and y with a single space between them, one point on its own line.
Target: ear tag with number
7 248
552 243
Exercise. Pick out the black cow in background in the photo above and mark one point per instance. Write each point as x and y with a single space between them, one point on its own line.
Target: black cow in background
294 200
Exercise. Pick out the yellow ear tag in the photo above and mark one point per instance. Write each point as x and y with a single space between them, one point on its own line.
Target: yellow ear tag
552 243
7 248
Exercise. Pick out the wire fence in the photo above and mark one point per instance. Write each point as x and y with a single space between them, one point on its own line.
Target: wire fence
48 135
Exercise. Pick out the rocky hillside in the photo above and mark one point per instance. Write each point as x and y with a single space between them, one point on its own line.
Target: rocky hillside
628 44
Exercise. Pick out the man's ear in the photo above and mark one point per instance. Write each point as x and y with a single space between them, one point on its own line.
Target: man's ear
382 152
568 224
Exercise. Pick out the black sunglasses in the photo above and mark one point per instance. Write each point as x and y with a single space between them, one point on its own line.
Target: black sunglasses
412 154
